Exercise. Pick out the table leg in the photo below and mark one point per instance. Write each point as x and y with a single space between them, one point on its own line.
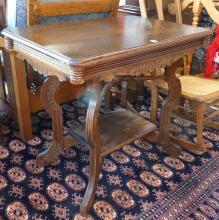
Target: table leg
49 103
93 136
168 105
21 96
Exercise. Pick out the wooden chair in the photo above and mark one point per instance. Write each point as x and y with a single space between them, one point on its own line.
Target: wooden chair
201 93
32 12
196 6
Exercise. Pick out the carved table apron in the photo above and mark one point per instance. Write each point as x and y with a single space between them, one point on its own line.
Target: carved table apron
102 50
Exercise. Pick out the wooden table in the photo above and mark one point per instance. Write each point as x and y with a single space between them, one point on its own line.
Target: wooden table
89 52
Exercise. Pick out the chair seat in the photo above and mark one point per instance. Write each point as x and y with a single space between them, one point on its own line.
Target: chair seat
197 88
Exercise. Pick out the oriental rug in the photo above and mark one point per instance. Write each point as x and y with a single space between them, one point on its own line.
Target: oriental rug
140 181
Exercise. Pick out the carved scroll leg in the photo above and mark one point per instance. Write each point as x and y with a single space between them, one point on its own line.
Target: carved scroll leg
169 104
93 136
48 100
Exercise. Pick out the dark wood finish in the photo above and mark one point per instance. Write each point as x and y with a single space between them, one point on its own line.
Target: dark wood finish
116 47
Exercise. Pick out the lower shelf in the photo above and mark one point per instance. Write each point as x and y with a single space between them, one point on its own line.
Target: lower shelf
116 130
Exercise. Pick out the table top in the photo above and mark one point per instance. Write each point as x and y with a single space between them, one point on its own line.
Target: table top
76 42
96 48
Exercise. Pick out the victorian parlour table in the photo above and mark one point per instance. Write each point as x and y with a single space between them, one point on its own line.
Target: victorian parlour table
89 52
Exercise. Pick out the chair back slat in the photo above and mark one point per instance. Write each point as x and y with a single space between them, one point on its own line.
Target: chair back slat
37 8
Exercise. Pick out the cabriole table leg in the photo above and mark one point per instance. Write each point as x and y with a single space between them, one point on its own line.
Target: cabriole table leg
93 137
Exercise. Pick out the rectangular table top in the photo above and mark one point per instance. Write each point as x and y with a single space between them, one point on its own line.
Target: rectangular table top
76 42
102 48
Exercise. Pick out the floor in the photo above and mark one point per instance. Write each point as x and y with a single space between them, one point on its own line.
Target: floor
137 182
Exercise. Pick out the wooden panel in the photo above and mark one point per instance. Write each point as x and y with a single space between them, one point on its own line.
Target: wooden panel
74 7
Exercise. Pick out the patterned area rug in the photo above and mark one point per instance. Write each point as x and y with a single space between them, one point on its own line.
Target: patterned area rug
137 182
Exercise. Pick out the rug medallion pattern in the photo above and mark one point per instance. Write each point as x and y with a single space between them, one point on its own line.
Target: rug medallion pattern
139 181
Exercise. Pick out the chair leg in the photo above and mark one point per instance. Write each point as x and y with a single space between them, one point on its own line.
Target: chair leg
159 7
187 63
178 11
200 110
143 8
154 100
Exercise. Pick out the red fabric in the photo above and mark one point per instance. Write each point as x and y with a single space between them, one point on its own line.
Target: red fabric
211 52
